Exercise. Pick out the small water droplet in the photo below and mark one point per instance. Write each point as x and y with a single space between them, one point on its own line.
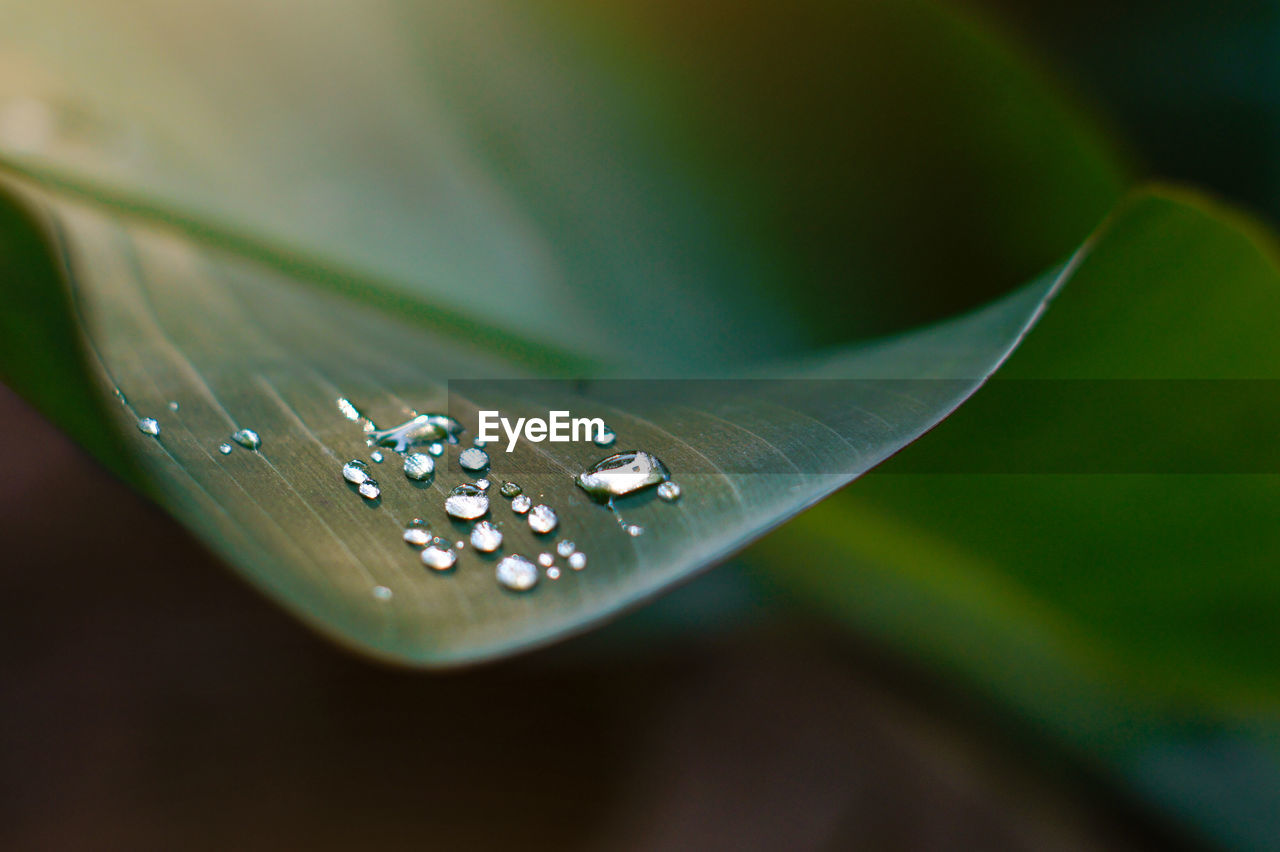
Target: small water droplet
382 593
479 442
436 449
419 466
439 558
546 560
566 547
486 537
149 426
482 484
521 504
376 456
460 544
348 410
369 489
622 474
466 503
577 561
247 438
605 437
553 573
669 491
510 489
634 530
473 459
517 573
225 449
422 429
542 519
173 405
355 472
417 534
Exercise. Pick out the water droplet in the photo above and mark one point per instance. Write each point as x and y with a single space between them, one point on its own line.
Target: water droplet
546 560
622 474
486 537
460 544
521 504
369 489
517 573
173 405
605 437
348 410
510 489
225 449
423 429
149 426
553 573
473 459
578 561
382 593
439 558
566 547
419 466
436 449
376 456
355 472
479 442
482 484
466 503
634 530
542 519
247 438
417 533
669 491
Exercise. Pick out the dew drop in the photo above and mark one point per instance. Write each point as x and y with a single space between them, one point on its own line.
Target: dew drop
149 426
521 504
542 519
517 573
376 456
225 449
634 530
479 442
439 558
578 561
381 593
369 489
486 537
566 547
473 459
510 489
670 491
417 534
605 437
436 449
423 429
546 560
466 503
173 405
247 438
419 466
622 474
482 484
355 472
348 410
460 544
553 573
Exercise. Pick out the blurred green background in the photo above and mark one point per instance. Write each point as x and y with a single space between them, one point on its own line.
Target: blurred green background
927 660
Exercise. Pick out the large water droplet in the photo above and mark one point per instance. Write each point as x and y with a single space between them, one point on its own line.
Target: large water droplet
225 449
473 459
542 519
419 466
622 474
369 489
521 504
486 537
149 426
355 472
466 503
669 491
605 437
417 534
510 489
423 429
247 438
577 561
517 573
439 558
566 547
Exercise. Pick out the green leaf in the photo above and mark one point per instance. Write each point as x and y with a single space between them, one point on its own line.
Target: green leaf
1109 578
